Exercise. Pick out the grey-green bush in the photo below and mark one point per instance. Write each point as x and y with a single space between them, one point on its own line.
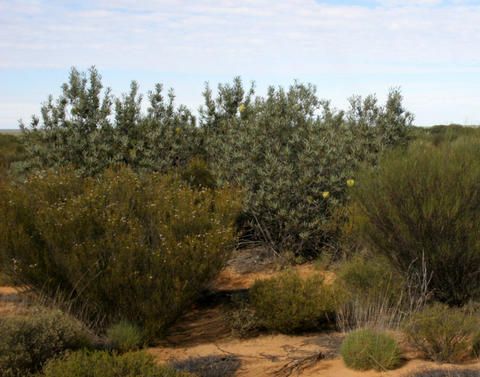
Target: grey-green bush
104 364
120 246
289 303
419 209
443 334
366 349
27 342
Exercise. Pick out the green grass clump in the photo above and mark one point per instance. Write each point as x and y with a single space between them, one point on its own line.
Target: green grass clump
419 209
26 343
289 303
443 334
104 364
124 336
367 349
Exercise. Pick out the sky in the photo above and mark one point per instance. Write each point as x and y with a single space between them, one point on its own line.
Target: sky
428 48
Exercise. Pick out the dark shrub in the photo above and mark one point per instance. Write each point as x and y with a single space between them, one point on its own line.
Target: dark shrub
367 349
209 366
442 333
26 343
104 364
120 246
288 303
420 209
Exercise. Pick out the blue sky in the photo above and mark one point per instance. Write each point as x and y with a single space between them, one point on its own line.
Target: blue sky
430 48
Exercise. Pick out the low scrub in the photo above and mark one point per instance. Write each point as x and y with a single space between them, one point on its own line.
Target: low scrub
124 336
26 343
120 246
443 334
104 364
419 209
370 293
366 349
446 373
209 366
289 303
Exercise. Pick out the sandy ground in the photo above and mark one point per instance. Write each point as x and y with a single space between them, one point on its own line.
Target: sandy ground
204 332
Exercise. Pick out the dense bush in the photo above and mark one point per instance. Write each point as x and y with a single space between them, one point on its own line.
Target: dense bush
290 151
27 342
370 294
294 155
367 349
103 364
89 129
122 246
124 336
420 210
289 303
442 333
11 151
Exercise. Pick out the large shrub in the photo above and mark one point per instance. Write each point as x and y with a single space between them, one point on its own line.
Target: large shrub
420 210
103 364
289 303
27 342
443 334
11 151
367 349
294 155
119 246
88 128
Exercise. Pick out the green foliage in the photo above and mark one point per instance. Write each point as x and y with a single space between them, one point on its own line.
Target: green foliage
420 210
241 318
209 366
367 349
288 303
124 336
120 246
443 334
198 175
89 129
288 149
285 149
26 343
11 151
104 364
370 293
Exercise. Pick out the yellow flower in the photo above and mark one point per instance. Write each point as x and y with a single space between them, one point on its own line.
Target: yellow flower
350 182
242 108
325 194
178 130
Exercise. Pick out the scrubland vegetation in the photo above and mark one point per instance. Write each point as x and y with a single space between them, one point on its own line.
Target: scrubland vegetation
120 219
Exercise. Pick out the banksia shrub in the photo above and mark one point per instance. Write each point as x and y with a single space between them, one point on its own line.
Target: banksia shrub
443 334
27 342
100 363
367 349
289 303
419 209
119 246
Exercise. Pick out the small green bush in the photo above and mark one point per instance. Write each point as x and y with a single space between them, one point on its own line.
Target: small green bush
288 303
120 246
443 334
104 364
26 343
419 209
124 336
370 293
241 318
367 349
